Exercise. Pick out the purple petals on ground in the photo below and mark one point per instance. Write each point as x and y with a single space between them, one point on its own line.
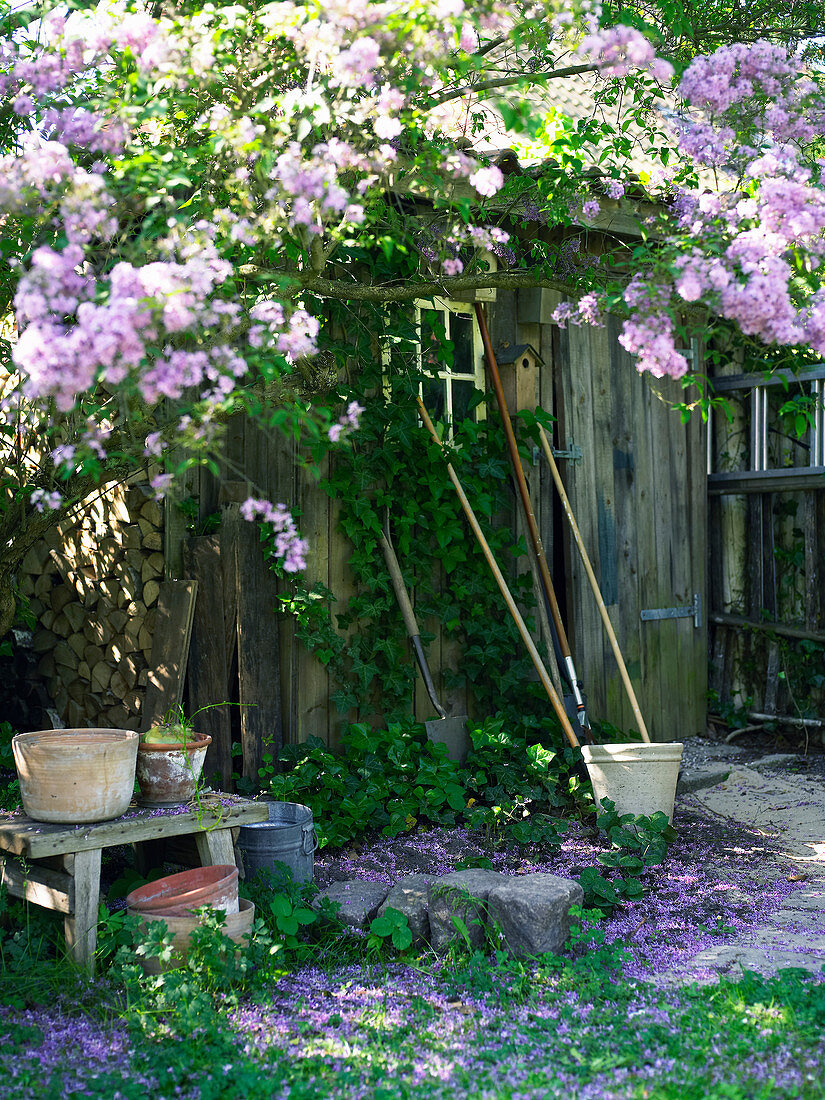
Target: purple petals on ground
716 884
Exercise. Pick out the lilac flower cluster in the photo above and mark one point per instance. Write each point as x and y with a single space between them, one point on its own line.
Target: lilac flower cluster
289 547
41 499
347 422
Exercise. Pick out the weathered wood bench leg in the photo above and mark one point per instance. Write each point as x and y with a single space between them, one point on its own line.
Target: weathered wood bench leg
215 846
81 924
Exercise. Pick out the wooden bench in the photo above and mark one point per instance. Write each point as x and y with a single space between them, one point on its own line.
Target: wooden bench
58 866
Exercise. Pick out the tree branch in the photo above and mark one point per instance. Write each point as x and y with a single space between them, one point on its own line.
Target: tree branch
408 292
508 81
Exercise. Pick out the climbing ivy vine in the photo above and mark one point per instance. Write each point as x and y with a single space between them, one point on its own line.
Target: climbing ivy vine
391 472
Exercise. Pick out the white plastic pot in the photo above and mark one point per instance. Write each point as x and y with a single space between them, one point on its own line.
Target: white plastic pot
637 778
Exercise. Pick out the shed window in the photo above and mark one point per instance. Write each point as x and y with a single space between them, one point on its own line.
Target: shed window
450 352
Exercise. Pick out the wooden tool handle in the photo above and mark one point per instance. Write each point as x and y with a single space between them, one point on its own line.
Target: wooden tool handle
547 683
400 588
594 584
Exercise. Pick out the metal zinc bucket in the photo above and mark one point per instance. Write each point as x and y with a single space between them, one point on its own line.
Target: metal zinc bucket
287 837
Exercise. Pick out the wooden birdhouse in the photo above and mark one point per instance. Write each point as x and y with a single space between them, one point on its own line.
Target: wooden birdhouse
521 356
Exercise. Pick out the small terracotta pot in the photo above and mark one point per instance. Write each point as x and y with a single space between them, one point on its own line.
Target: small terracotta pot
168 774
236 927
77 776
177 894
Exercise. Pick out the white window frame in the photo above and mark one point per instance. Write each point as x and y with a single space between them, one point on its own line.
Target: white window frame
448 307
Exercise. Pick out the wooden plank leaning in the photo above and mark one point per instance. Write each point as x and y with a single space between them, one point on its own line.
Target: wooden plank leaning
170 650
594 584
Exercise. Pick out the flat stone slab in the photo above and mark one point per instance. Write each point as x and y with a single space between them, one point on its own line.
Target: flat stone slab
533 912
790 813
359 900
410 897
463 895
731 961
699 779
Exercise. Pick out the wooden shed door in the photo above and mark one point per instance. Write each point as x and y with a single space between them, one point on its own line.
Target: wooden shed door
638 494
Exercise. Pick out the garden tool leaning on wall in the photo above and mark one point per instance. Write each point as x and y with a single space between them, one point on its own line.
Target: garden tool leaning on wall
566 665
451 732
591 576
535 657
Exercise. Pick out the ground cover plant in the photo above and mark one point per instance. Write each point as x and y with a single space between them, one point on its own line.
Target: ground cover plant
310 1009
311 1017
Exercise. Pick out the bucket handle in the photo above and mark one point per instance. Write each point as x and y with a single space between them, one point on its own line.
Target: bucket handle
309 830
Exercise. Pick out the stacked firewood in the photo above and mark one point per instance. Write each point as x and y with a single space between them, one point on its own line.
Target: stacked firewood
92 585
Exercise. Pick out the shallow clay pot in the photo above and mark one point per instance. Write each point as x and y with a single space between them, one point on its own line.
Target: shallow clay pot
216 885
236 927
168 774
77 776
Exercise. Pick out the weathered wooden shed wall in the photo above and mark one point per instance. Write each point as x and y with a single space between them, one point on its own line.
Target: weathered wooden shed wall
639 496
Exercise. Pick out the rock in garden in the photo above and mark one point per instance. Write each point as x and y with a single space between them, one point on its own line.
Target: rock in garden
359 900
533 911
462 894
410 897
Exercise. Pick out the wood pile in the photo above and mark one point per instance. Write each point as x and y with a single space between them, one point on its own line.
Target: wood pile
92 584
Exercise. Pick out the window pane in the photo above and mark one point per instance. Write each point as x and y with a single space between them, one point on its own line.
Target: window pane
434 396
433 338
461 334
462 395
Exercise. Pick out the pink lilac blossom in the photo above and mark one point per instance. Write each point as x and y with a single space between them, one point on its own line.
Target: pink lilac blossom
487 181
289 547
161 484
347 422
587 311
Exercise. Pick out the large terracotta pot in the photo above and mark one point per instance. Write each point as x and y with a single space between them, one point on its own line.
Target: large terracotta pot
216 885
181 927
77 776
168 774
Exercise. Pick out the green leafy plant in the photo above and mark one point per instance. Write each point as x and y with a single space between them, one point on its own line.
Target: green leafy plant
177 728
393 927
392 780
636 843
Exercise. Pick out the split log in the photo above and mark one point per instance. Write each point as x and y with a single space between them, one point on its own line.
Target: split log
63 655
62 626
76 614
101 675
43 587
93 654
151 590
46 666
130 537
60 596
43 641
152 512
77 642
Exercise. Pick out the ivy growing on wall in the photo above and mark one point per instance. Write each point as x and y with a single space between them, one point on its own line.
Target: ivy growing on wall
391 472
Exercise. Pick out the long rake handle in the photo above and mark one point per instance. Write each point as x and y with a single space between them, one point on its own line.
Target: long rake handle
594 584
538 664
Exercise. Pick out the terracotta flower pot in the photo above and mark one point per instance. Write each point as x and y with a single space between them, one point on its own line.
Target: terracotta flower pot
168 774
77 776
181 927
177 894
